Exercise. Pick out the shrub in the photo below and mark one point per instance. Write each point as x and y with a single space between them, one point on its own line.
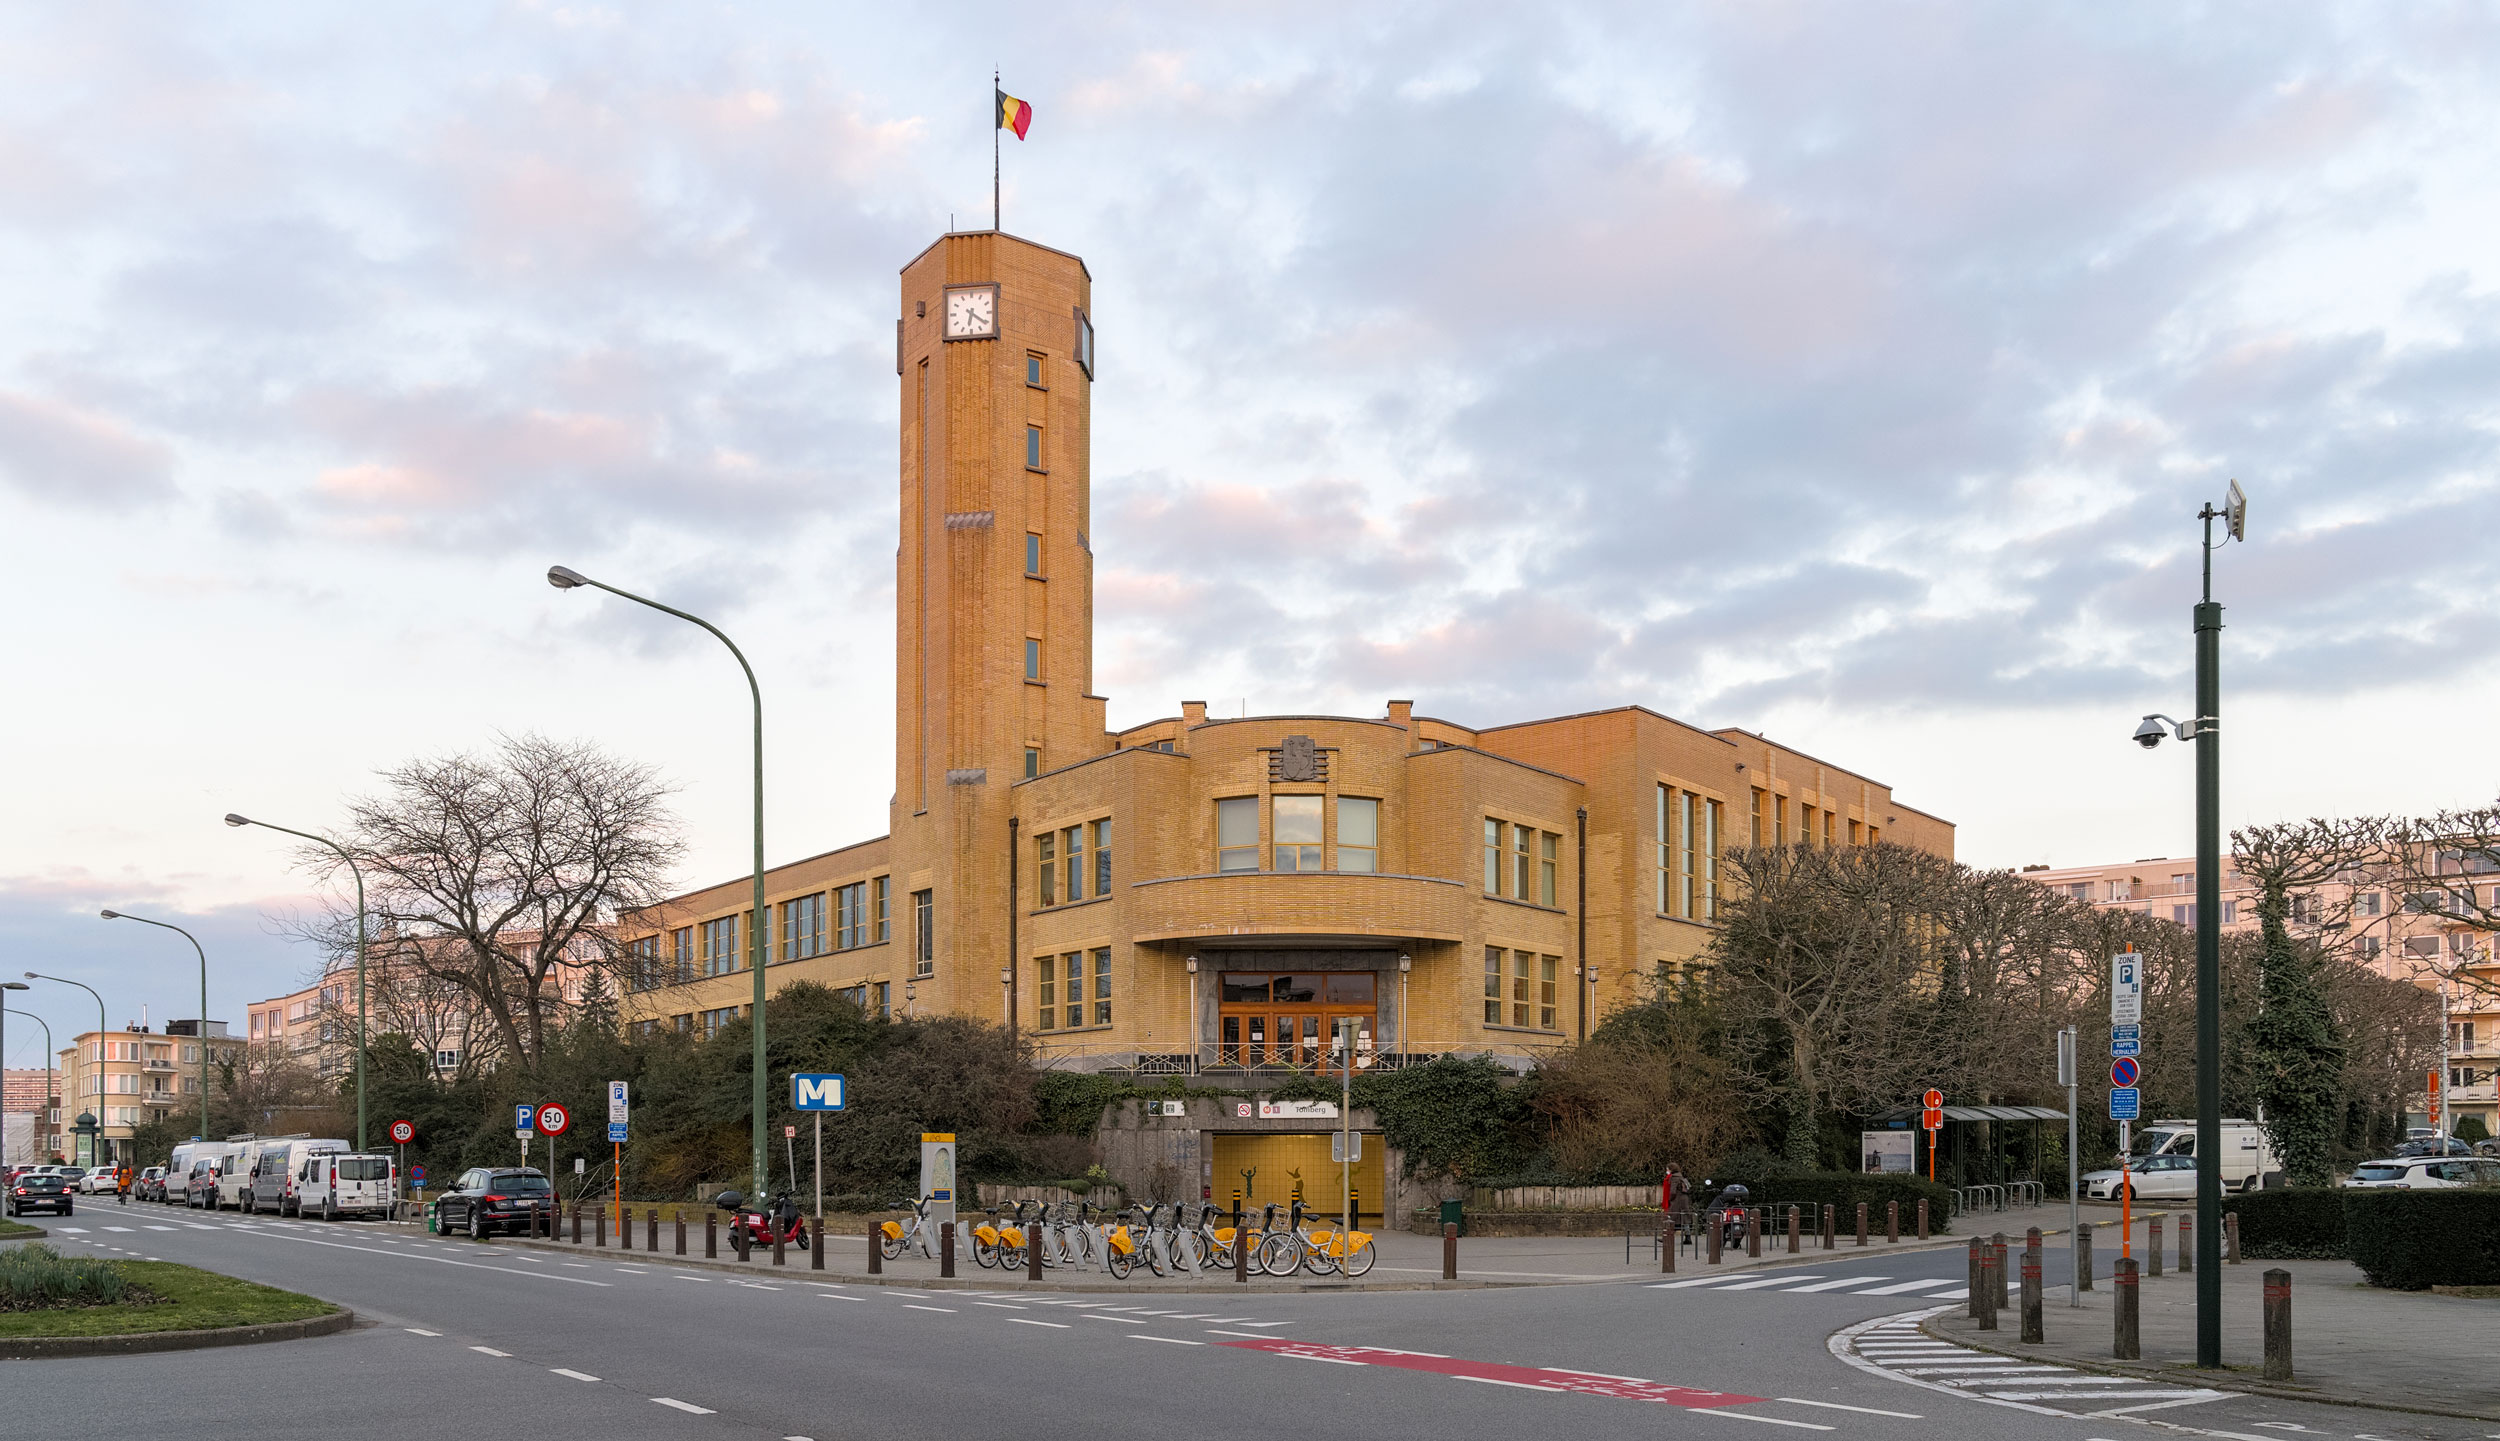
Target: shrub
2304 1223
35 1276
2414 1240
1842 1190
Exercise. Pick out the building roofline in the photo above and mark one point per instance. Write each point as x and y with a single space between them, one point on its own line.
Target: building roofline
1003 235
768 870
1234 720
1818 760
1719 736
1496 756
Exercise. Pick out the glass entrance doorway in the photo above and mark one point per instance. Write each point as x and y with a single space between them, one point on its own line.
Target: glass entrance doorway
1284 1018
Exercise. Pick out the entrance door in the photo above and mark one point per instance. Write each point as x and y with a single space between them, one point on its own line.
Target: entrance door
1285 1018
1265 1168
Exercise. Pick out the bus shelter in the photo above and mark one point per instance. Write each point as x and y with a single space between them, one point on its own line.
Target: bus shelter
1980 1145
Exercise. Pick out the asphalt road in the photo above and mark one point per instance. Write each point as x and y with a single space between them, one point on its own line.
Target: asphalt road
535 1342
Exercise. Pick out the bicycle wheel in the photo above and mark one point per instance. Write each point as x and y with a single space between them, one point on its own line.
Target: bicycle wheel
1315 1257
1279 1255
1359 1260
985 1254
1256 1261
889 1246
1119 1263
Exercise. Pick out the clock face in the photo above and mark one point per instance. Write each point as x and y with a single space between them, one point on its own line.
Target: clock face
972 313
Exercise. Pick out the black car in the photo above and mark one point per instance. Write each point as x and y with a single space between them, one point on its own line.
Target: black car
488 1199
2435 1146
40 1193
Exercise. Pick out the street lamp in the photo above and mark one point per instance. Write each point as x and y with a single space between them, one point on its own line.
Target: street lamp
195 945
40 1112
566 578
343 854
4 1051
99 1040
2206 732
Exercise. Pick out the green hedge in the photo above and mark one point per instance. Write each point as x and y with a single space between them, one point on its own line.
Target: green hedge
1843 1190
2302 1224
2414 1240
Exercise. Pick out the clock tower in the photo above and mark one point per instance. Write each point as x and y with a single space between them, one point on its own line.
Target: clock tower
994 583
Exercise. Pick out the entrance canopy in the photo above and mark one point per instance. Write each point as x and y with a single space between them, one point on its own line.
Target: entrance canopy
1908 1116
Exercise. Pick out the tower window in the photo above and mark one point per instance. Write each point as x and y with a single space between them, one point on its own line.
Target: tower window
1033 372
1237 834
1032 761
1032 554
1032 658
1298 832
1032 447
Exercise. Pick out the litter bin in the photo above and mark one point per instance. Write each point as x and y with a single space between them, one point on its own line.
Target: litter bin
1454 1213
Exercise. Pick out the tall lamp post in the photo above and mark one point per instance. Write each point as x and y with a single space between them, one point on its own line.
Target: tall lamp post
345 855
195 945
99 1041
48 1094
4 1051
566 578
2206 732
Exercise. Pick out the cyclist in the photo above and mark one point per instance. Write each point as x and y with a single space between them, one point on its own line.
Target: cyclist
121 1184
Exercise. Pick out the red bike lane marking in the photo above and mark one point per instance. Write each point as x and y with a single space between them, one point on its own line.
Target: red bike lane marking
1537 1376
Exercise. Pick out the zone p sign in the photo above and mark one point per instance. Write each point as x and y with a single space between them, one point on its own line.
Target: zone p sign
818 1092
554 1119
403 1132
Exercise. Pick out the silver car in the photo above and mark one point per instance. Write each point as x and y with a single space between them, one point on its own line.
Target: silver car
2423 1173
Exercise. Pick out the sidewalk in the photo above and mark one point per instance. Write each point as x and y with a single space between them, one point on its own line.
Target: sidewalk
2352 1344
1407 1261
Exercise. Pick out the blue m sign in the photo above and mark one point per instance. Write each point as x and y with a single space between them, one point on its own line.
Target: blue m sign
816 1092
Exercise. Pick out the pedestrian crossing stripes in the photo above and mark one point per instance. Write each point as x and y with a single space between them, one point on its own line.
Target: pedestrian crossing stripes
1938 1288
1895 1347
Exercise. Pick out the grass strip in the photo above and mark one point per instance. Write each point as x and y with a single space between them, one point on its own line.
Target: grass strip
196 1301
13 1231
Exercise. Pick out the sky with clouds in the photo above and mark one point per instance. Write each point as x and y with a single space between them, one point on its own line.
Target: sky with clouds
1849 372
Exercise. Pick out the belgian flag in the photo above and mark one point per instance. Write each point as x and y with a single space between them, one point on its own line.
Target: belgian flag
1014 114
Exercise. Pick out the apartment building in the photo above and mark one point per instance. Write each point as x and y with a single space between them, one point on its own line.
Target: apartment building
316 1026
1202 891
2420 938
129 1078
30 1093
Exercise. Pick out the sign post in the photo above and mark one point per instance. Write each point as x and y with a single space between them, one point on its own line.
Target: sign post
1931 1118
818 1093
524 1124
2068 1069
402 1132
618 1113
554 1120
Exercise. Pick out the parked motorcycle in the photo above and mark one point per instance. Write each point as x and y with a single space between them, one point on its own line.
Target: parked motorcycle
760 1226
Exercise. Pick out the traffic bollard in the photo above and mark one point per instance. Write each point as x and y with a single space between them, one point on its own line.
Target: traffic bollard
1449 1255
1666 1245
2187 1244
780 1243
1991 1276
816 1244
876 1252
946 1250
2278 1325
2152 1246
2033 1334
651 1231
2083 1257
577 1224
1793 1238
1717 1222
711 1237
1892 1223
1753 1228
1034 1236
1241 1246
600 1236
1922 1220
1830 1216
2124 1344
1978 1275
740 1241
681 1233
1861 1223
2231 1237
1998 1287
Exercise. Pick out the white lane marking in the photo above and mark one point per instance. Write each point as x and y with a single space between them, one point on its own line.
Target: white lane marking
1768 1282
1245 1335
838 1296
1903 1288
1167 1340
1123 1320
1339 1361
1193 1316
414 1331
1491 1381
949 1310
2190 1398
491 1351
160 1228
686 1406
682 1276
118 1228
2115 1396
1054 1325
74 1230
1688 1285
2066 1380
1958 1293
1836 1406
998 1305
438 1260
923 1295
1267 1323
1735 1415
1839 1284
576 1375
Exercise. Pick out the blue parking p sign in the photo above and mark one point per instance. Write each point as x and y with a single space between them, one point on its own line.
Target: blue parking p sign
821 1092
524 1117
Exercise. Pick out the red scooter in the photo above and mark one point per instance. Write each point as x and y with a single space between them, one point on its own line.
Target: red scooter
760 1227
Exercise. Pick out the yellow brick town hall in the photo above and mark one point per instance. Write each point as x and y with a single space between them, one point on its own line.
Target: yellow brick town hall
1204 893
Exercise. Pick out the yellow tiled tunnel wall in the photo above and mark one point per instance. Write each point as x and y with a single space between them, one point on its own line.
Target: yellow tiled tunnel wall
1276 1158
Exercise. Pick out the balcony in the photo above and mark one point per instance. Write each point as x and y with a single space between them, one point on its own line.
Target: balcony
162 1068
1341 907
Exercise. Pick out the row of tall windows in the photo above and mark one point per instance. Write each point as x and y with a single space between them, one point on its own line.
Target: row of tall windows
1813 826
1071 987
1522 989
1297 833
1522 862
1687 830
720 946
874 997
924 933
1060 868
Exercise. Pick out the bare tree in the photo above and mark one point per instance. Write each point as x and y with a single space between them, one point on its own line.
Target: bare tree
495 871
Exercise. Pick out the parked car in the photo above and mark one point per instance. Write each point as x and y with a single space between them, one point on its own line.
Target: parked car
489 1199
2247 1156
102 1181
2164 1177
41 1193
201 1191
2415 1173
333 1184
2487 1148
2435 1146
150 1185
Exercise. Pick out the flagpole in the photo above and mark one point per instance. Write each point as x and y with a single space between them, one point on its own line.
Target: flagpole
994 129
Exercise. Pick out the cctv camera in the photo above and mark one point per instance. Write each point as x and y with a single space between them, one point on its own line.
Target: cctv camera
2148 735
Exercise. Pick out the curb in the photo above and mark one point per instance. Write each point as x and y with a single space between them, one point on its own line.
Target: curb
2195 1376
37 1348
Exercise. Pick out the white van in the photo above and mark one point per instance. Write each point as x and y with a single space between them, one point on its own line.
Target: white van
2247 1157
332 1184
274 1164
178 1170
234 1175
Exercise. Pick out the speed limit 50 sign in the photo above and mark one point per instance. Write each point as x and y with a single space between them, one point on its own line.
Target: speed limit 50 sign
403 1132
